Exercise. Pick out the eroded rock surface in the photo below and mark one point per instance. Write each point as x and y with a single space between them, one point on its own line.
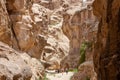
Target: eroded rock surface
15 65
29 26
86 71
51 31
107 50
37 29
5 32
79 25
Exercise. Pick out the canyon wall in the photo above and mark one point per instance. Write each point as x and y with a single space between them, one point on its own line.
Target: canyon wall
107 48
34 27
30 27
5 30
39 28
54 32
80 26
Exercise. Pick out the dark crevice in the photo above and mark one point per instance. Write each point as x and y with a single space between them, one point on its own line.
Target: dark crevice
118 76
118 45
119 20
109 5
14 35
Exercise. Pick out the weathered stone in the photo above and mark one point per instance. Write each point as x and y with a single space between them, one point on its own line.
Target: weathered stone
79 28
107 49
5 33
15 66
85 72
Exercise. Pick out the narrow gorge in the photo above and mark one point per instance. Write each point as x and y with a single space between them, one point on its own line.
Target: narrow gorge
59 40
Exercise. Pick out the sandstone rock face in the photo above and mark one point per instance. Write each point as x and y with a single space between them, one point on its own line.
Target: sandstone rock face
16 66
35 65
37 27
16 28
25 28
11 65
27 36
107 50
33 28
79 25
57 43
5 33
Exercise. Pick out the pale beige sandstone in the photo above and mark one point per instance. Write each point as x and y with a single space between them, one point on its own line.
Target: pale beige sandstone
35 28
15 65
31 28
79 25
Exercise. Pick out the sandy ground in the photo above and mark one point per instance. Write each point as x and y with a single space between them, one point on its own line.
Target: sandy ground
59 76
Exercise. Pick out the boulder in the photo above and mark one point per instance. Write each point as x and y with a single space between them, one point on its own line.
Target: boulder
85 72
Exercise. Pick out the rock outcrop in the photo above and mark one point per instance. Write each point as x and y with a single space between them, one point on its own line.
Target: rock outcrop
86 72
26 24
57 43
33 28
29 26
5 30
107 49
80 26
53 32
15 65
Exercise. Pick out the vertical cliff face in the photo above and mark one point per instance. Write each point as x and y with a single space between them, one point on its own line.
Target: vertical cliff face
26 26
29 27
107 50
32 27
5 33
80 26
